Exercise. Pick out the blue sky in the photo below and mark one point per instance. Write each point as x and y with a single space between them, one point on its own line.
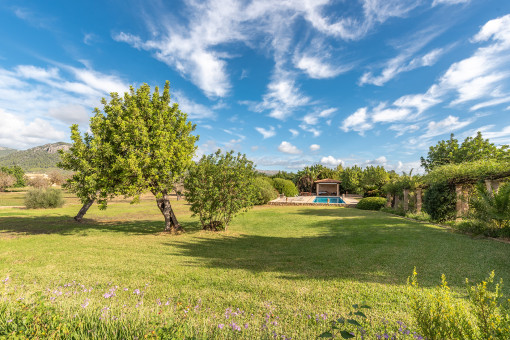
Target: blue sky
289 83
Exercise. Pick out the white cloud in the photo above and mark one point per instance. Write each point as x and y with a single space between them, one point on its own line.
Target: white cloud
16 132
331 161
282 98
316 68
315 147
489 103
266 133
197 47
449 2
383 114
378 161
403 129
286 147
447 125
71 114
314 117
193 109
358 121
295 133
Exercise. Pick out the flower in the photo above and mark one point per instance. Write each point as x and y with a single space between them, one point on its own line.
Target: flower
85 303
220 326
136 291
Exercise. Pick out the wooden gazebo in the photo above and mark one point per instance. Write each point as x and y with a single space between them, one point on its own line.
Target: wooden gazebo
327 187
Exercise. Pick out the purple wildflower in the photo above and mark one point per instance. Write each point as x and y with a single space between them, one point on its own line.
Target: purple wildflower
9 321
220 326
85 303
246 326
136 291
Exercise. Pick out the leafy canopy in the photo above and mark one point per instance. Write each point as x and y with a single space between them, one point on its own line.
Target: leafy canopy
218 187
472 149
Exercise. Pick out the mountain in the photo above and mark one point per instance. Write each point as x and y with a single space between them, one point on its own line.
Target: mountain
6 151
39 158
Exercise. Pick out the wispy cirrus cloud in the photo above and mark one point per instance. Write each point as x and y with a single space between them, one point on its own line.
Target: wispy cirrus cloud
196 47
481 79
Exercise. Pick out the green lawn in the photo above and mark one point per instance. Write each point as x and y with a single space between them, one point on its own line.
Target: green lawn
293 268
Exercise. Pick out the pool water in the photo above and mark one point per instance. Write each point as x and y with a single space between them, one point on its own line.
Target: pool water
324 199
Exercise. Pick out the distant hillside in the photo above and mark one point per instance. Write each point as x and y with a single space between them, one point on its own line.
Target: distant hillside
6 151
40 158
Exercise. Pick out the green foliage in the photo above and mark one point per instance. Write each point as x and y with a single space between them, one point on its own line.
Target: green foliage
397 184
374 177
492 208
422 216
349 327
264 190
18 174
285 187
286 175
469 172
439 201
351 179
6 180
138 143
57 177
439 315
219 186
472 149
371 203
44 198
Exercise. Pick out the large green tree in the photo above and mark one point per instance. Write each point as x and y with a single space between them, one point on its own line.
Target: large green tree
472 149
138 143
218 187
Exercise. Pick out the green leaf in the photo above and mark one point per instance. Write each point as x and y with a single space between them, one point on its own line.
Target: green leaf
346 335
360 314
326 335
365 306
355 306
353 322
340 320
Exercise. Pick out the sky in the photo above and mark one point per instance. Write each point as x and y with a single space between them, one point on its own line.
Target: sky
288 83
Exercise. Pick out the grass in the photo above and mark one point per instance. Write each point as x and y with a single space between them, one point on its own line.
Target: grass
293 268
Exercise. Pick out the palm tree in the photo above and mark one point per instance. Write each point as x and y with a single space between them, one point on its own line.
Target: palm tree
492 207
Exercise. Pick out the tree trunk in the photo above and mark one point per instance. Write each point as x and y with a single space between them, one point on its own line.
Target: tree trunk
84 210
171 224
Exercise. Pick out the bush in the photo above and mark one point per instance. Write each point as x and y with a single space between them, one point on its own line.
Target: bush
6 180
439 202
218 187
440 316
371 203
422 216
57 177
44 198
18 174
39 182
286 187
265 191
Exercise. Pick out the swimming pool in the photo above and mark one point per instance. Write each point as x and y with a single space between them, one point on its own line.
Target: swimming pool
328 199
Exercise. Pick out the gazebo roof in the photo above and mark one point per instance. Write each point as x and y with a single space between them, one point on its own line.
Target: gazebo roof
328 180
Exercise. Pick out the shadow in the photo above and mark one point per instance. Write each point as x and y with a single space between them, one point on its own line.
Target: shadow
66 225
359 246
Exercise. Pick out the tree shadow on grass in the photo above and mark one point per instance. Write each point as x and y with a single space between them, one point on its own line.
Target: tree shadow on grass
382 252
66 225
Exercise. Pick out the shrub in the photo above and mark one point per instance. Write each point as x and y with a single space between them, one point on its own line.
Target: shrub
265 191
371 203
286 187
39 182
492 208
439 202
218 187
44 198
6 180
440 316
422 216
18 174
57 177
